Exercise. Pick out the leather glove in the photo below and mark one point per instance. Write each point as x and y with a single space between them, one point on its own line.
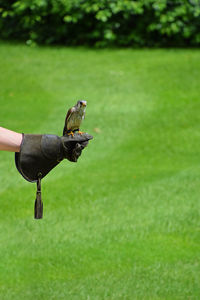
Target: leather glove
39 154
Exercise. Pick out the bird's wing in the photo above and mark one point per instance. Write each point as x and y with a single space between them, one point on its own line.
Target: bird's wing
70 111
68 116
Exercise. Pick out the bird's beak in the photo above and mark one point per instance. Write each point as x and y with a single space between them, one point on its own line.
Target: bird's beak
84 103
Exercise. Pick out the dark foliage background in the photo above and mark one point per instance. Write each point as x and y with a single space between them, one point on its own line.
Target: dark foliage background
102 22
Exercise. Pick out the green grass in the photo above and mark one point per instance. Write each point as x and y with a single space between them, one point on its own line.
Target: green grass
124 222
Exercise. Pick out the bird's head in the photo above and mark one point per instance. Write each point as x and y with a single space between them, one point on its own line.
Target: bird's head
81 104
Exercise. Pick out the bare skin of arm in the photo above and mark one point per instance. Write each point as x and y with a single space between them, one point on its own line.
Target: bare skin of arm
10 140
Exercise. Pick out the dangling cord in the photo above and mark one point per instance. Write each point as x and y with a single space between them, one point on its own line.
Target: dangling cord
38 201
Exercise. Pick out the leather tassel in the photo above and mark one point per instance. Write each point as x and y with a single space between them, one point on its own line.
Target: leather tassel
38 201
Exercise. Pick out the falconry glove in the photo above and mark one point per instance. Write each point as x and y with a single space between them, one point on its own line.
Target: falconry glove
39 154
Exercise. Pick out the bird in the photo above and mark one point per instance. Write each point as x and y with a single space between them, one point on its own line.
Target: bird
74 117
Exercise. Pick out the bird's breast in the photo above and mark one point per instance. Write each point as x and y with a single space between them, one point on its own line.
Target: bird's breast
74 121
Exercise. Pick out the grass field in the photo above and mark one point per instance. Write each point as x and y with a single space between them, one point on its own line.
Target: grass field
124 222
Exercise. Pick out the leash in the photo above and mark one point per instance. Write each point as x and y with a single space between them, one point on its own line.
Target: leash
38 201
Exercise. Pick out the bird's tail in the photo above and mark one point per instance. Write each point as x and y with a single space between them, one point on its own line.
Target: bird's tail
64 130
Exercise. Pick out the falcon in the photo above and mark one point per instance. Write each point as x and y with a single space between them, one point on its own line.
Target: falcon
74 117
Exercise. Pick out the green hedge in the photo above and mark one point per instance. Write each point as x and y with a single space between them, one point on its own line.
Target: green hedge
102 22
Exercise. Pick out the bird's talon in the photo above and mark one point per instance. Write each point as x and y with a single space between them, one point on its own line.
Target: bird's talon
71 133
80 132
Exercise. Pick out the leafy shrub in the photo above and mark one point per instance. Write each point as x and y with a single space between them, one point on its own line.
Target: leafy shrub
102 22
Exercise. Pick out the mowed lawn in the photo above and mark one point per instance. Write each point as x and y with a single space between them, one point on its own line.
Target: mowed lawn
124 222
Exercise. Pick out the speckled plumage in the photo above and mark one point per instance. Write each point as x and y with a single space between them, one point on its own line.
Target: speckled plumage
74 117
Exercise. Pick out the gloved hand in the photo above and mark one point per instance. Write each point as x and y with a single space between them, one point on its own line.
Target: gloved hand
39 154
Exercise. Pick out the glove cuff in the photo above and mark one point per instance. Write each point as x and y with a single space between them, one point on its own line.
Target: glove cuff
35 159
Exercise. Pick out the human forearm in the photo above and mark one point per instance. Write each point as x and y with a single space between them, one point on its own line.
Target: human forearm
10 140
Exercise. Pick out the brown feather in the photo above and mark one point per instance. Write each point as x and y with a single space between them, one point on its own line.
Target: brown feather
66 120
